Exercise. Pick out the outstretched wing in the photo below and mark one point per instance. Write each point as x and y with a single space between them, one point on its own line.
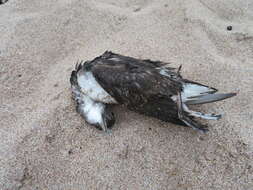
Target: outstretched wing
131 82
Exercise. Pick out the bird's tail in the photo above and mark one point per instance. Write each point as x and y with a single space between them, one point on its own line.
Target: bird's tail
208 98
187 116
195 93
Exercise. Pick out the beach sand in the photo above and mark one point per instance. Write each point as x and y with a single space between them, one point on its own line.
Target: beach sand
45 144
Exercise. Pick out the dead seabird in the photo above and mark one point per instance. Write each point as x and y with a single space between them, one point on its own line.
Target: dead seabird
144 86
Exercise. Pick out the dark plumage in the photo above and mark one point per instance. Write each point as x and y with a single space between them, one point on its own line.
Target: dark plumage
144 86
3 1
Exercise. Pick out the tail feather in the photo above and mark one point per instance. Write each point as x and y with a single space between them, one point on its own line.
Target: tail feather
195 89
208 98
205 88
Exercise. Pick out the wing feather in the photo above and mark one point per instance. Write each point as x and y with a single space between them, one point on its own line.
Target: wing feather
108 55
131 82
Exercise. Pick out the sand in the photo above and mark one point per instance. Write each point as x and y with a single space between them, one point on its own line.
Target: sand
45 144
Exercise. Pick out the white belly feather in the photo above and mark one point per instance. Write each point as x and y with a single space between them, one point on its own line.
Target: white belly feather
92 111
90 87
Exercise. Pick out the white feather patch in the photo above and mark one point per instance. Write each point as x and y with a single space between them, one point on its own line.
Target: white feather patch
91 88
92 110
190 90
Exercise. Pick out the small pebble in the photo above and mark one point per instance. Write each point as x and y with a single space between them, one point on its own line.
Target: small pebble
229 28
137 9
19 75
70 152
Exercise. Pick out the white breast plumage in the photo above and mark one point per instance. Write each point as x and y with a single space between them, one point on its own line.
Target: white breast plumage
90 87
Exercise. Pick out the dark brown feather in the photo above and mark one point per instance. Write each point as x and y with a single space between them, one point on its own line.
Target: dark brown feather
132 82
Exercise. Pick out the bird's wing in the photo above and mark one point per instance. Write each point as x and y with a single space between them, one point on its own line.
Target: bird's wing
121 59
132 84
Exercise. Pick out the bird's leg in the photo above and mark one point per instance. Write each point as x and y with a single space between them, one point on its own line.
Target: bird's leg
200 115
187 120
